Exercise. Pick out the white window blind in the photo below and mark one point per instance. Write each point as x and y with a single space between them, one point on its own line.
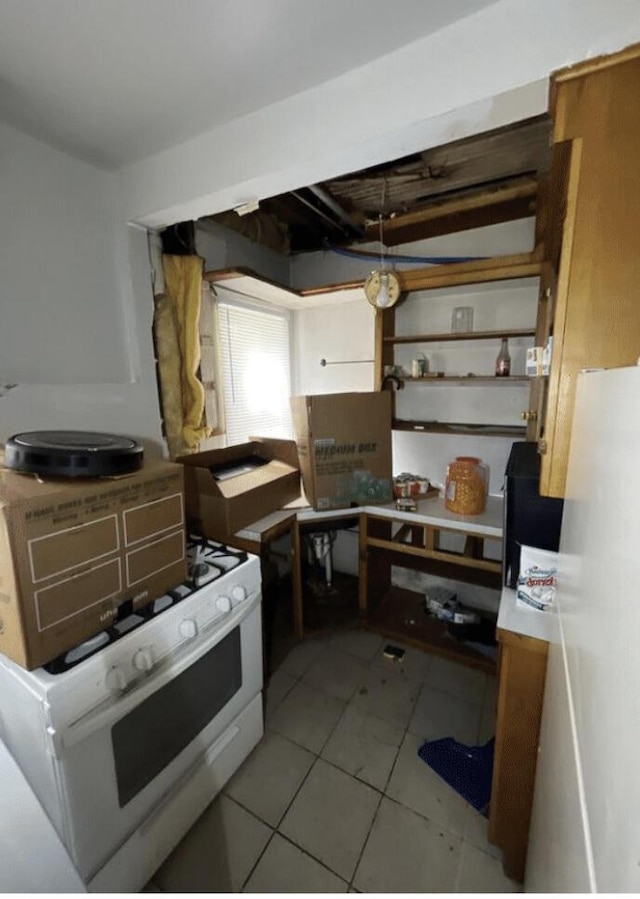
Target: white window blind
256 372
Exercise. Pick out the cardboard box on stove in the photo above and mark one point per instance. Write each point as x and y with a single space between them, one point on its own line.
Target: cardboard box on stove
229 488
344 448
72 552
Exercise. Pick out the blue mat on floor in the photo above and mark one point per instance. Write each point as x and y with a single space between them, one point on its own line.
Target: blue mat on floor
468 769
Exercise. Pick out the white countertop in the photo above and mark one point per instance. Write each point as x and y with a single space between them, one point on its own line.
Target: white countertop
525 621
430 511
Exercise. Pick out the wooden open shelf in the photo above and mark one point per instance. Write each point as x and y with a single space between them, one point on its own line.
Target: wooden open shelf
400 615
460 335
470 380
518 432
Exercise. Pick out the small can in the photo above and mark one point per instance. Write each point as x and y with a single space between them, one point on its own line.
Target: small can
401 487
406 504
423 485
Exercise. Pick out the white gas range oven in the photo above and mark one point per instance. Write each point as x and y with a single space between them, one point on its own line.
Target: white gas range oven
127 738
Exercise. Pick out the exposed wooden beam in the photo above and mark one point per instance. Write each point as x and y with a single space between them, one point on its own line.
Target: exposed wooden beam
502 268
490 158
501 204
497 268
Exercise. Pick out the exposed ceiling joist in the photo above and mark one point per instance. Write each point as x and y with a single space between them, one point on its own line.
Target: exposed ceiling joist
465 184
502 203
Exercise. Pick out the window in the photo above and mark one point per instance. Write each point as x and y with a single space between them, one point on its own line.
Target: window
254 358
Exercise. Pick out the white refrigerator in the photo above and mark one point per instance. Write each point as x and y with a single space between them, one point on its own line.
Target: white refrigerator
585 828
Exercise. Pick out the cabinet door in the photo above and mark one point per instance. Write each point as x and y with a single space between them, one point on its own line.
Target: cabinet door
597 313
521 675
554 232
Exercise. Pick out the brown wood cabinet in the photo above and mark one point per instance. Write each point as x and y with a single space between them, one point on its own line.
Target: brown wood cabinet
417 541
522 670
594 269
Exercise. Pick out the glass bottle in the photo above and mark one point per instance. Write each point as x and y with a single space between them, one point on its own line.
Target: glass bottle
503 362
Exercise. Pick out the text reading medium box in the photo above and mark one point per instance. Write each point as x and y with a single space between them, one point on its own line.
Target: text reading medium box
344 448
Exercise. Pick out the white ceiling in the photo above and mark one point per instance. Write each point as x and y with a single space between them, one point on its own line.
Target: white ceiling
114 81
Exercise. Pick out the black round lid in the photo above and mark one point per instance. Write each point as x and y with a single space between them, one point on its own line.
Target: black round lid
73 454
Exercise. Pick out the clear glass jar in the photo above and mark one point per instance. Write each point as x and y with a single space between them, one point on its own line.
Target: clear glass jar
466 486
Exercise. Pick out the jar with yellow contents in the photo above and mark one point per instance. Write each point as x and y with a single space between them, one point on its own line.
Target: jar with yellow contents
466 486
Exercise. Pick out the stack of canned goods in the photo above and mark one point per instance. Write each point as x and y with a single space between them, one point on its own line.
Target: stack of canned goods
407 489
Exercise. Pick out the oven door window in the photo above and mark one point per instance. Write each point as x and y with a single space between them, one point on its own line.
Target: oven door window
156 731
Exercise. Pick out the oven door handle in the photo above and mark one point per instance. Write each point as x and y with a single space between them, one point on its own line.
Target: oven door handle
105 715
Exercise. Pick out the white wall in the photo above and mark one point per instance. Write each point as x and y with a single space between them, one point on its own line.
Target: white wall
131 408
342 335
558 857
62 313
346 332
585 825
77 305
482 72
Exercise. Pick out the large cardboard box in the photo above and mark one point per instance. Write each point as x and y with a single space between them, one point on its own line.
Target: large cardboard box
344 448
74 555
229 488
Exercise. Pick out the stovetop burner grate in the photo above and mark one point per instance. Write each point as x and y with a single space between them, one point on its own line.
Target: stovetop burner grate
207 560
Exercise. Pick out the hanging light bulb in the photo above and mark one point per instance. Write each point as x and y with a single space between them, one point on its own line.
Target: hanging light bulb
383 298
382 287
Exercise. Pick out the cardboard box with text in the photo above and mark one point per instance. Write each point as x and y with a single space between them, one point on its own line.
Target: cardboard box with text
76 554
344 448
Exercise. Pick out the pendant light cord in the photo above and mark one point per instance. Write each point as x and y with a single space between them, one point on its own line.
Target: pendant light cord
380 221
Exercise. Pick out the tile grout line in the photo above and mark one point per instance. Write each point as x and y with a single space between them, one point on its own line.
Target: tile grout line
275 829
364 842
312 857
370 664
258 860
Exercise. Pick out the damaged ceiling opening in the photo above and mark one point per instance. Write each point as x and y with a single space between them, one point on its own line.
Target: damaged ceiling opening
481 180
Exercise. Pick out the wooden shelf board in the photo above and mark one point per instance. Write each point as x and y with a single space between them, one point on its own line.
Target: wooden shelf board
479 271
400 616
460 335
470 381
448 557
442 427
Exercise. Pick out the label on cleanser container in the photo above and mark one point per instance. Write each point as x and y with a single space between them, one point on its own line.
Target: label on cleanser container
538 578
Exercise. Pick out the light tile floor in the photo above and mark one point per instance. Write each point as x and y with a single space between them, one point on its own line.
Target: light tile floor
335 799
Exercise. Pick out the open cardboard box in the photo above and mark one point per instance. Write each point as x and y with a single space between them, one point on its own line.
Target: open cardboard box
229 488
344 447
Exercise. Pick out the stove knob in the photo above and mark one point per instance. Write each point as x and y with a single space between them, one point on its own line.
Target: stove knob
223 604
143 659
238 594
115 680
188 628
